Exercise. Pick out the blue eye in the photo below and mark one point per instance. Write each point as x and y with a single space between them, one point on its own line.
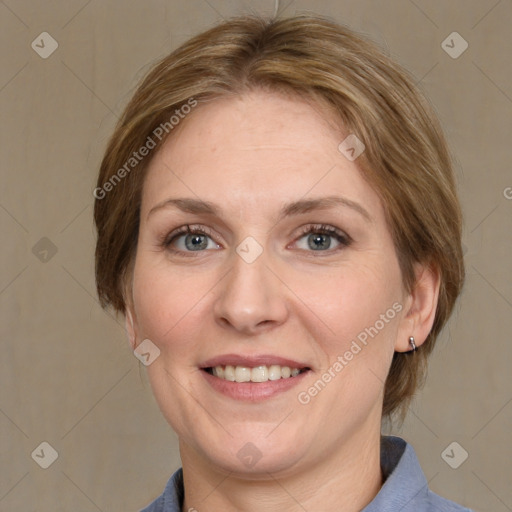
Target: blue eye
195 241
321 238
190 239
319 241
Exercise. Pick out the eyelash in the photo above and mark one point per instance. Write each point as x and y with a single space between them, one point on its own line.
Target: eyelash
184 230
324 229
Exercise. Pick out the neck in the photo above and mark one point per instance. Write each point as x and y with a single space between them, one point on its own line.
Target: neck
345 480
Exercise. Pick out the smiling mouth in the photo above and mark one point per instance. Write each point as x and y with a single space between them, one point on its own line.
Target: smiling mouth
258 374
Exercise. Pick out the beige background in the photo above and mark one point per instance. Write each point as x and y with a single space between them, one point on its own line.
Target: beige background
67 374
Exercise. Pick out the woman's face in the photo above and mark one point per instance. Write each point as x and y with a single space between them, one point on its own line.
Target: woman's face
289 266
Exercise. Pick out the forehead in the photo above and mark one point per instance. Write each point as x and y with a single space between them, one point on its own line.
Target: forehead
257 149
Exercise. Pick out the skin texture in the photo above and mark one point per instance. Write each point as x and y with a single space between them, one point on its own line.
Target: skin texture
250 155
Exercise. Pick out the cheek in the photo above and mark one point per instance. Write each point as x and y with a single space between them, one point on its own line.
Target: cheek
163 301
169 313
354 302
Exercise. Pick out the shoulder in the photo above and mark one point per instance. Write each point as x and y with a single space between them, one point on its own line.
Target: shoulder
437 503
172 498
155 506
405 487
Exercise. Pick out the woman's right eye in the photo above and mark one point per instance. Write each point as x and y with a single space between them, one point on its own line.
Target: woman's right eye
194 242
187 239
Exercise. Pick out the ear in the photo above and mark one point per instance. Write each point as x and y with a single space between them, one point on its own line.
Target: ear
131 330
420 308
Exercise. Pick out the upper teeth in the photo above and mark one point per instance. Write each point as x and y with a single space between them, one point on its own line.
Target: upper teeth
256 374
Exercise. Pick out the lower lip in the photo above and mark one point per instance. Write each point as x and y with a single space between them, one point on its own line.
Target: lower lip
253 391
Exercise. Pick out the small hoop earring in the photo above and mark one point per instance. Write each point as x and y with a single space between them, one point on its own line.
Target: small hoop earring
413 345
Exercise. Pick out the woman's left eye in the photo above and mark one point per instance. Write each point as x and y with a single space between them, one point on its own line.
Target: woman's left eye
322 238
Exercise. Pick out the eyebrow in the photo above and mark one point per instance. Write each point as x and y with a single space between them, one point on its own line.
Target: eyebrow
198 207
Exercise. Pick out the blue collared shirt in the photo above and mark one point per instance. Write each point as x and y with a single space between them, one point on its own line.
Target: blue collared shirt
405 488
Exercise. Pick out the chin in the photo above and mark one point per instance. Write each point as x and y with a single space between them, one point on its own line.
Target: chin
251 463
248 452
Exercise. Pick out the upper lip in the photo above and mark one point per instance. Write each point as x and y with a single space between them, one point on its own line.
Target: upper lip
252 361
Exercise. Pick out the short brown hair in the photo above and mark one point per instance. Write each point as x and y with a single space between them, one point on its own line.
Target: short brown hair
405 160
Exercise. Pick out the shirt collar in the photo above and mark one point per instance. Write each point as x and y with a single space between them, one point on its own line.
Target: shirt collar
405 484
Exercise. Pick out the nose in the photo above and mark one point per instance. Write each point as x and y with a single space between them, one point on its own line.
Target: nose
251 298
